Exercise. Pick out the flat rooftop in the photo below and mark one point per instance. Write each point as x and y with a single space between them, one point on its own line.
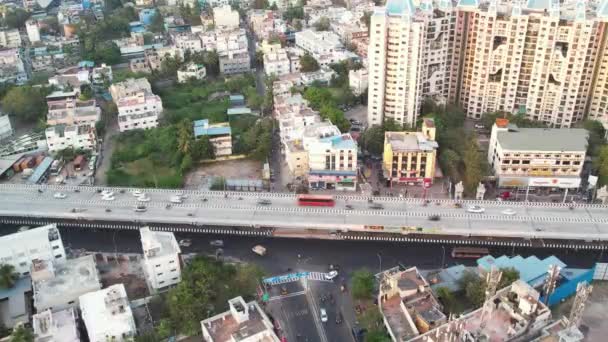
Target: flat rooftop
409 142
71 279
401 325
56 326
543 139
224 328
158 244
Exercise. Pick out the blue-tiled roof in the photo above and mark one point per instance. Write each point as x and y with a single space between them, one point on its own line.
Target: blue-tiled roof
41 170
86 64
468 3
342 142
400 7
237 97
530 269
201 127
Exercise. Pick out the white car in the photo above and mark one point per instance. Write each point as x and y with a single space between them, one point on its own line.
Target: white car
143 198
176 199
107 193
323 315
137 193
60 195
331 275
476 209
108 198
509 212
185 242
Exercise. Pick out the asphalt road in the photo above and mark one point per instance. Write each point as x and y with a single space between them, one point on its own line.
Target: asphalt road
531 220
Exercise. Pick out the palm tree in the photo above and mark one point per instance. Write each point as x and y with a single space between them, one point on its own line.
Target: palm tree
184 136
8 276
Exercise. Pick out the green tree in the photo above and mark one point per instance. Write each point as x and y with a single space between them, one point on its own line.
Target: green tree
292 13
377 336
597 137
22 334
8 276
186 163
362 284
26 103
450 163
373 140
448 300
184 136
509 275
600 165
308 63
474 288
473 166
15 18
202 149
322 24
206 286
158 22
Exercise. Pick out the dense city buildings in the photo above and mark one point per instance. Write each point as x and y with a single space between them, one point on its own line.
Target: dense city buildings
541 59
537 157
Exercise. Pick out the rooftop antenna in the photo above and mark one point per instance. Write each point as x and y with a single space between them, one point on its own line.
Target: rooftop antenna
550 281
583 291
492 279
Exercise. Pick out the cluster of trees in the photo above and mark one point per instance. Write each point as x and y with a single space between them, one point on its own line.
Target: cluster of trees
256 141
362 288
459 154
14 18
373 138
308 63
95 35
321 99
474 287
362 284
191 14
322 24
26 103
206 286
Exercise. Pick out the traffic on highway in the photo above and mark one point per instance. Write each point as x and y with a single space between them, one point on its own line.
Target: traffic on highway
282 210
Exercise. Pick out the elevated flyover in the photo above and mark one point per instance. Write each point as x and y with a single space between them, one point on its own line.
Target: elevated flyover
400 220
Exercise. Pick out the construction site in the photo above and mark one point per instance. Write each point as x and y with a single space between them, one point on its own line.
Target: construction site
515 313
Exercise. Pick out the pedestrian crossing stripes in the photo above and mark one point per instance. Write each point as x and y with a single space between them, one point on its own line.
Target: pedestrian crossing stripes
296 276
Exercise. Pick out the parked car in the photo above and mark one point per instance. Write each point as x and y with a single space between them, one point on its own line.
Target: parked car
479 126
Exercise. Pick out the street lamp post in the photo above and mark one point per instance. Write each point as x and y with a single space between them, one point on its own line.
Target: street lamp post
443 256
379 260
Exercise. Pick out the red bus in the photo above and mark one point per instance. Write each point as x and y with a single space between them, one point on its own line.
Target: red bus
316 200
469 252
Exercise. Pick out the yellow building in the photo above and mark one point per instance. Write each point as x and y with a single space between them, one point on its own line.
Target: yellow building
410 157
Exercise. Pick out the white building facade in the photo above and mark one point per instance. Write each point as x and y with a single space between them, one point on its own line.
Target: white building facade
161 259
277 63
107 315
82 136
42 243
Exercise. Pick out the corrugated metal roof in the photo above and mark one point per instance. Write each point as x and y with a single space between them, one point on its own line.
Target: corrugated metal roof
530 268
40 170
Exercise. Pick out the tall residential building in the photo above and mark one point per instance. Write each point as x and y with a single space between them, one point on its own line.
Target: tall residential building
395 63
545 59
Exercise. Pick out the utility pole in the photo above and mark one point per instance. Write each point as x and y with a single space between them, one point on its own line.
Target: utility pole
492 279
550 281
583 291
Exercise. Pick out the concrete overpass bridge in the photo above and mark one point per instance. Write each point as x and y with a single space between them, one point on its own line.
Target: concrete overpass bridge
535 224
